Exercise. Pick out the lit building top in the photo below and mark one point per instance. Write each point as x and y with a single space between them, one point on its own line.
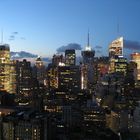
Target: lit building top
38 58
88 53
116 47
5 68
70 57
4 47
135 57
88 48
57 59
39 62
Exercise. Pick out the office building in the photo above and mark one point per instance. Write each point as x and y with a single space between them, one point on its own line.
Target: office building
52 78
87 67
39 70
57 59
25 80
135 57
69 78
116 48
29 125
118 64
5 68
13 77
117 120
101 65
70 57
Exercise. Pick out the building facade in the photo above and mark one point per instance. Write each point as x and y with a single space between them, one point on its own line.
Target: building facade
5 68
70 57
87 67
135 57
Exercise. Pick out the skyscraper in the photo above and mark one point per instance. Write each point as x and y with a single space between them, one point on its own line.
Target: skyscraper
13 76
69 78
40 70
116 48
29 125
120 65
70 57
115 51
87 68
52 78
5 67
25 79
57 59
135 57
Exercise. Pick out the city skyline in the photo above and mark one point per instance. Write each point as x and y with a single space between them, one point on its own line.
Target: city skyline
65 96
41 27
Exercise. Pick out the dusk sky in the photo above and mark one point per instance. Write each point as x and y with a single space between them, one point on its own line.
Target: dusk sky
42 26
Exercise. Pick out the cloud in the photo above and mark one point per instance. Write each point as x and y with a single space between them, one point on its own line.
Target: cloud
22 54
23 38
98 47
15 33
11 37
98 51
69 46
135 45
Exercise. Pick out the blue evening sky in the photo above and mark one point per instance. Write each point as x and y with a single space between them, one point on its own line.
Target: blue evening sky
45 25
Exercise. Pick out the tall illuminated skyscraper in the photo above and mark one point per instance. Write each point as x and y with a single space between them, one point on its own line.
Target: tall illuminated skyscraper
5 67
40 70
69 78
115 51
70 57
25 80
57 59
135 57
116 48
13 76
87 68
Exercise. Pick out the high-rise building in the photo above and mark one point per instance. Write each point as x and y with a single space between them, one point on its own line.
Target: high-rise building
52 78
39 70
13 76
118 64
87 68
57 59
101 67
135 57
25 80
69 78
8 76
116 48
29 125
122 47
52 71
5 67
64 76
70 57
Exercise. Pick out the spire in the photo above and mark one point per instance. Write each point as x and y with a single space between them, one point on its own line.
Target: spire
88 47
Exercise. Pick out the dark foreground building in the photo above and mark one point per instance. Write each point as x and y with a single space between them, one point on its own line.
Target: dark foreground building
26 125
